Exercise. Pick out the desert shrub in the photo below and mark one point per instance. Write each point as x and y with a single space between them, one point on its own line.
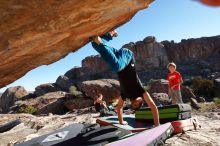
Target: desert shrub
187 82
216 100
74 91
151 81
202 86
27 109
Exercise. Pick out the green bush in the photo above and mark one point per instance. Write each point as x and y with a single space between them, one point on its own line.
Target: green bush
151 81
27 109
74 91
216 100
202 86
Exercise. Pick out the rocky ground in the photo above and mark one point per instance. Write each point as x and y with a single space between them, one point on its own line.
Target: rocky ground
208 135
34 126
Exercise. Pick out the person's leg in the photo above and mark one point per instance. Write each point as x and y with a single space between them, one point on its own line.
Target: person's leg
153 107
173 97
178 96
107 52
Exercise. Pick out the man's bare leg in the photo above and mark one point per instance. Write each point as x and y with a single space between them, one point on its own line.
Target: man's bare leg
153 107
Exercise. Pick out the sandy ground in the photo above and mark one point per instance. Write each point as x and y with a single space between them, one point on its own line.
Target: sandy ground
208 135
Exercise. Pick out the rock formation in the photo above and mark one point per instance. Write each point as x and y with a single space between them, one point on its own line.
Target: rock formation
148 53
34 33
35 126
78 103
45 88
10 96
52 102
200 56
109 88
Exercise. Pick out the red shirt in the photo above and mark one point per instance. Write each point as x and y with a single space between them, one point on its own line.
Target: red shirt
174 79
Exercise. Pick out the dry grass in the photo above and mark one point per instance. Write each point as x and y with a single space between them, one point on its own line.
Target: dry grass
209 106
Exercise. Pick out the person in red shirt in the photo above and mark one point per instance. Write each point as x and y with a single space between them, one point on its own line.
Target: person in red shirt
175 80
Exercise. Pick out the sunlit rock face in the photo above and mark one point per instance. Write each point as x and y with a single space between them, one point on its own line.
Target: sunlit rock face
35 32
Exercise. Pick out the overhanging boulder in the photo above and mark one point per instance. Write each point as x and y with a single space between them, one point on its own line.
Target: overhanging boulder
35 33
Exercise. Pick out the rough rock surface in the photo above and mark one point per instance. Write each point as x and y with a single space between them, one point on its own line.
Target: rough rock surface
161 98
78 103
194 103
34 33
148 53
185 50
10 96
45 88
35 126
49 103
109 88
64 83
96 62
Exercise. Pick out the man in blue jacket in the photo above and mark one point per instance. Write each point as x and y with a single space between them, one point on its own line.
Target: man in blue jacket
122 62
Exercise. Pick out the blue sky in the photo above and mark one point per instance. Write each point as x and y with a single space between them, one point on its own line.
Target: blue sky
164 19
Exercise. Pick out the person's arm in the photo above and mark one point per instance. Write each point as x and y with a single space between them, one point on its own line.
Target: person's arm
153 107
120 111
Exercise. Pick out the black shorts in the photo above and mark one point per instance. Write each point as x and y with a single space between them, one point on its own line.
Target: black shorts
130 84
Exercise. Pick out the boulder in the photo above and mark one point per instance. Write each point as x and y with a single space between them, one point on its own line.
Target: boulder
109 88
45 88
78 103
201 99
78 73
35 33
48 103
194 103
64 83
158 86
10 96
94 63
187 94
91 70
161 98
